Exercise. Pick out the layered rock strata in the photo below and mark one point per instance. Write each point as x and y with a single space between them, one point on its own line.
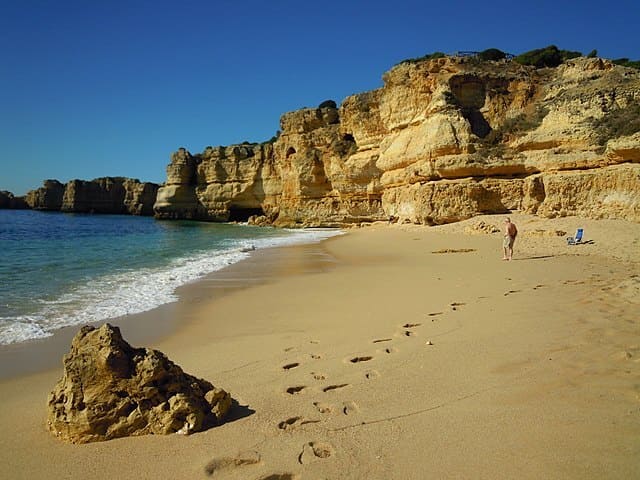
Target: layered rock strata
115 195
110 389
441 141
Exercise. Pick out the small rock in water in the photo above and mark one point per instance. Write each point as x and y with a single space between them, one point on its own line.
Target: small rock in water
250 248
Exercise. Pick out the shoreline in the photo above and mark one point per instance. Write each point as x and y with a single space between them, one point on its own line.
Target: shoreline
418 350
152 326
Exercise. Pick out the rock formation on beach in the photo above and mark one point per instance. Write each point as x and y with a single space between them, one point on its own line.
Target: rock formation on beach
110 389
47 197
101 195
10 201
441 141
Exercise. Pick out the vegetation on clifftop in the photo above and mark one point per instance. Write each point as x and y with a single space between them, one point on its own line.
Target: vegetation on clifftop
549 57
428 56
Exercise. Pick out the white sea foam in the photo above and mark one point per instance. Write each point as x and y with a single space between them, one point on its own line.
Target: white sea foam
138 291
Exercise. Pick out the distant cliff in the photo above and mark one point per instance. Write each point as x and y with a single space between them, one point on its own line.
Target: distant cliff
442 140
9 200
103 195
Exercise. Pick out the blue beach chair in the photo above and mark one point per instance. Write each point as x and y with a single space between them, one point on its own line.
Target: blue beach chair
577 239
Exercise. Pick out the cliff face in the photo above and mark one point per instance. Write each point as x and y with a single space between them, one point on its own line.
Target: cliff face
10 201
102 195
441 141
47 197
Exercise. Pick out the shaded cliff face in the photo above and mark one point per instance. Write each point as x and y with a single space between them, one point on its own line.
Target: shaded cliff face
115 195
9 201
47 197
441 141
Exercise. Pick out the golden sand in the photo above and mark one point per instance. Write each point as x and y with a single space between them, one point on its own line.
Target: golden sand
418 354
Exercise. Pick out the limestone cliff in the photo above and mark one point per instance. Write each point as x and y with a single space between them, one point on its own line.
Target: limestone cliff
47 197
9 201
102 195
441 141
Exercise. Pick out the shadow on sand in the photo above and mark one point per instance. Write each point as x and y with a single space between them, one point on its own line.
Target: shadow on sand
535 258
238 412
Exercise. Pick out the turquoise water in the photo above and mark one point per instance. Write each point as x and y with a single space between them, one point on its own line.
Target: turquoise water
67 269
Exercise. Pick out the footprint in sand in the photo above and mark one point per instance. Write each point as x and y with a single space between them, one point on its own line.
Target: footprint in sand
411 325
323 408
409 333
511 292
289 366
315 356
318 376
294 423
455 305
280 476
313 451
360 359
334 387
434 314
390 350
371 374
382 340
349 408
227 463
295 390
539 286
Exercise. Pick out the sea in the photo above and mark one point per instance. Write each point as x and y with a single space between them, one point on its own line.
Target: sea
60 269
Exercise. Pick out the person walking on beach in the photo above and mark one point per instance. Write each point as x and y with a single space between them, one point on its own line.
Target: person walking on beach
510 233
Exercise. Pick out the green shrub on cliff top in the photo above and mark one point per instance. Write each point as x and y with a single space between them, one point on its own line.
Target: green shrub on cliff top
625 62
428 56
328 104
549 56
492 54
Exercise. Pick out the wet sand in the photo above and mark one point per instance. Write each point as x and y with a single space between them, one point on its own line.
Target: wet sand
415 353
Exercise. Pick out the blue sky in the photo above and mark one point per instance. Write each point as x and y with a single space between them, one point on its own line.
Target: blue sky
97 88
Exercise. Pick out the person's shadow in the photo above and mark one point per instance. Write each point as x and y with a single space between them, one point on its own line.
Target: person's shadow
535 258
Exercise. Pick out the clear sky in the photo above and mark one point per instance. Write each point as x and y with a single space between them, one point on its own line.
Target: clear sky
110 88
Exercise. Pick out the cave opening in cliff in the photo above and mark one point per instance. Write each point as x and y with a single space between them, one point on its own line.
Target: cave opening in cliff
240 214
469 94
290 151
479 125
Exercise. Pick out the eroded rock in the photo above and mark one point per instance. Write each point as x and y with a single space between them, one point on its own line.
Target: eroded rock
441 141
110 389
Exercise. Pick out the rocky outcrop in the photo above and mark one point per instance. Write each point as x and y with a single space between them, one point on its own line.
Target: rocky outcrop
9 201
441 141
116 195
109 195
47 197
110 389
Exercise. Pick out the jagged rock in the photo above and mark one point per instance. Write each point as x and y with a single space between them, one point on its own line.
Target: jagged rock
47 197
110 389
139 197
10 201
441 141
109 195
101 195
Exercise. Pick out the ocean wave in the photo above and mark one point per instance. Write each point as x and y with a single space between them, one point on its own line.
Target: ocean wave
137 291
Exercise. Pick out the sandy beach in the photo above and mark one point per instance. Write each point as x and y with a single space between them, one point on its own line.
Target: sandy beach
394 351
